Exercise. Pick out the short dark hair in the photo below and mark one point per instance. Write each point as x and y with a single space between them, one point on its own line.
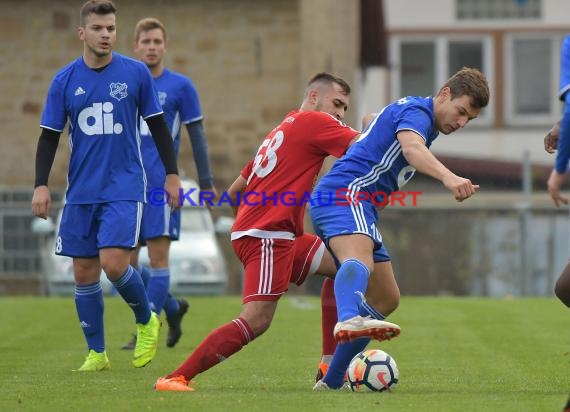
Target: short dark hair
329 79
100 7
471 82
149 23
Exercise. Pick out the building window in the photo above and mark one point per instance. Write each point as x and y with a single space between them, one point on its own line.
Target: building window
418 69
498 9
421 64
531 79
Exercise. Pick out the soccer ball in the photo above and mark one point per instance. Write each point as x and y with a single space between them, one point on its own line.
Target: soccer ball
373 370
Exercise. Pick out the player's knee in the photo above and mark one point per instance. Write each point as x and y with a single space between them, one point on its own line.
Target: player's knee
387 303
260 324
114 270
391 303
258 317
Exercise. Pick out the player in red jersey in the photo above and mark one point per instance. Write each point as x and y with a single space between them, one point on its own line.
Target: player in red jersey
311 258
270 217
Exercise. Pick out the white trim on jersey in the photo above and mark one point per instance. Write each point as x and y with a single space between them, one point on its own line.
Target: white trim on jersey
263 234
50 128
154 114
563 90
193 119
412 130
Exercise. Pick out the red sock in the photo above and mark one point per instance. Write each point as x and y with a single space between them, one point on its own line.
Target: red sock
219 345
329 316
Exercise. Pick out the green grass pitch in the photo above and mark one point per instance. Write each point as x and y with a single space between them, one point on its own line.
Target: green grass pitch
454 354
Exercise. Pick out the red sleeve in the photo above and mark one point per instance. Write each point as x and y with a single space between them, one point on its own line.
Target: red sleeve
246 171
328 134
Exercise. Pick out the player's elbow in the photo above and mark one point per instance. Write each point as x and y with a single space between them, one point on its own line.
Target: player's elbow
410 153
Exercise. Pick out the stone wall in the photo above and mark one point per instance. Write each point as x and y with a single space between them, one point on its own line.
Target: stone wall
249 59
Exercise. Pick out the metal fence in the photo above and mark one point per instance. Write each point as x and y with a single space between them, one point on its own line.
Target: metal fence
20 262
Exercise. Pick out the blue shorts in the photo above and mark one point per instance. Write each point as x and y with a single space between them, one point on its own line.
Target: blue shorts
158 221
332 220
84 229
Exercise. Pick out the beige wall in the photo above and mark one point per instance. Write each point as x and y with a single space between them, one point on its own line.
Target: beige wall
249 59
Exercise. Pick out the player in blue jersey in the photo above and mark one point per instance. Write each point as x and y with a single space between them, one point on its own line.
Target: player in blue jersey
103 94
384 158
181 105
559 139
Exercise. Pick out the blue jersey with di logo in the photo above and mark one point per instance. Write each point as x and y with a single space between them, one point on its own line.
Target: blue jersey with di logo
181 105
375 163
103 108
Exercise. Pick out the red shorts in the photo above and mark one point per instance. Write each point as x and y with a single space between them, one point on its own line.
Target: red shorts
271 264
309 251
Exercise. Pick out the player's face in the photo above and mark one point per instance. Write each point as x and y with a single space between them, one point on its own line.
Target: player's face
150 47
332 100
99 34
454 113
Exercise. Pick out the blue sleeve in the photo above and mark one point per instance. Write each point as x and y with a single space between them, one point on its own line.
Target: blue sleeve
190 110
564 68
563 152
54 116
416 119
200 150
149 103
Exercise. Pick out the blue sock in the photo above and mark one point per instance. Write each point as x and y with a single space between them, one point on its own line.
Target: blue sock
344 353
130 286
90 307
145 274
157 289
349 287
171 306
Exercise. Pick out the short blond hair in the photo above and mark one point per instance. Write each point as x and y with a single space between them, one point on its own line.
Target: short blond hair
149 23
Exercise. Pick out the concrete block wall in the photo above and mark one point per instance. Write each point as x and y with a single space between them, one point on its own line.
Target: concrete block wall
249 59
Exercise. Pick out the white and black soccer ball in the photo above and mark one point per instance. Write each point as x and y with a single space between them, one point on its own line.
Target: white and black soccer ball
374 370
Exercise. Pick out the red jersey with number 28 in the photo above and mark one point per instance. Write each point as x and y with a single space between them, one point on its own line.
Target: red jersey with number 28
282 174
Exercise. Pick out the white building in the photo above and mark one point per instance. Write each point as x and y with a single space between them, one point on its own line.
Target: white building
516 43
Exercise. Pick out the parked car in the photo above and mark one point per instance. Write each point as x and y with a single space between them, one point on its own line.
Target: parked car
57 271
197 263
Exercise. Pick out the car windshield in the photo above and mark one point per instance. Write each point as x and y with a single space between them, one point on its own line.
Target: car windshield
195 219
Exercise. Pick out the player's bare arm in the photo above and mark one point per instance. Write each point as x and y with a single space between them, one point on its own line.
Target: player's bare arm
554 185
367 119
551 138
172 186
236 187
418 155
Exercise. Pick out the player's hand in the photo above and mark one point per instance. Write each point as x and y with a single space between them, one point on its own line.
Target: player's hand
173 186
554 184
460 187
41 202
551 139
